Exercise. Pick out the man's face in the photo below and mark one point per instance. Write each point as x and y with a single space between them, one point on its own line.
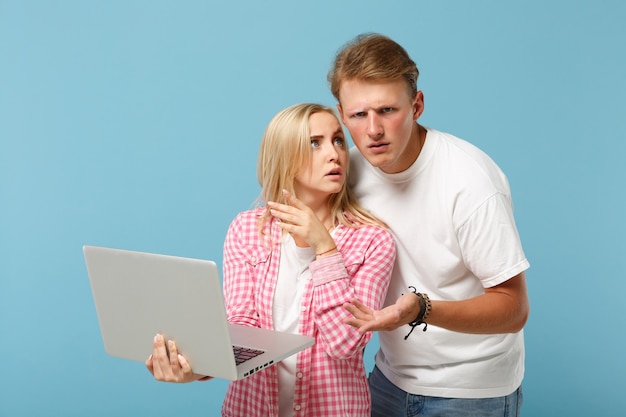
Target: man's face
381 116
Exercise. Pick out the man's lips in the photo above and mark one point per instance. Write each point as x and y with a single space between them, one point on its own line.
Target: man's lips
378 147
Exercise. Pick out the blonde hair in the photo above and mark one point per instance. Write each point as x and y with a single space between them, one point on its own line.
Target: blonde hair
285 149
372 57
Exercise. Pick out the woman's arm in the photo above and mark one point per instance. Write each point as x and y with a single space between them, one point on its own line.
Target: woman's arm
362 270
239 282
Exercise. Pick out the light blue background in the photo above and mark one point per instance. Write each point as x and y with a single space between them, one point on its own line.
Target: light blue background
136 124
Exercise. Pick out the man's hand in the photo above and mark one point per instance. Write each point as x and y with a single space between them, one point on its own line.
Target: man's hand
365 319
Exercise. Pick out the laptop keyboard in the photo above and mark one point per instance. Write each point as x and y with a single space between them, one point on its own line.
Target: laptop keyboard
243 354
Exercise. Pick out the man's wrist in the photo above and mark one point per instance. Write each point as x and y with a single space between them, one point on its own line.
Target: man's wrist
423 312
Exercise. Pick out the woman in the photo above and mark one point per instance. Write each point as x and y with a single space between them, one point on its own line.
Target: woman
292 264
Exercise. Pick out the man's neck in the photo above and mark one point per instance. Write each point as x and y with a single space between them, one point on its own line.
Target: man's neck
421 139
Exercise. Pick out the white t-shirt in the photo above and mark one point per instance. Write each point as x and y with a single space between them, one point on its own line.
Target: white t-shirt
293 274
452 217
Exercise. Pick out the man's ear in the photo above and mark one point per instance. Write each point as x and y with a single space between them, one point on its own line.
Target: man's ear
418 105
340 111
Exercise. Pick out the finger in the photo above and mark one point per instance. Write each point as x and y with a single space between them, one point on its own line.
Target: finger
284 213
352 309
184 364
358 309
293 200
367 327
362 326
290 228
351 321
160 360
279 206
284 216
150 365
173 353
159 352
358 304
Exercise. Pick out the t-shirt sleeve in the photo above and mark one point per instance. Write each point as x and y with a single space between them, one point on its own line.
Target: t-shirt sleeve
490 242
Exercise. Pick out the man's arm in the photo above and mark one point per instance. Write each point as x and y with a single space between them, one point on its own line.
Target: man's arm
503 308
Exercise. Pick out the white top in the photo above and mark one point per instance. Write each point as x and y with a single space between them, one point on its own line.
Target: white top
293 274
452 217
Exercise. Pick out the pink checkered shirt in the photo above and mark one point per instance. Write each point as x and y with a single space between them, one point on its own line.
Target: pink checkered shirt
330 376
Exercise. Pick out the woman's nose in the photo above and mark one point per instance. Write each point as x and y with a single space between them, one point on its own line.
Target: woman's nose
333 155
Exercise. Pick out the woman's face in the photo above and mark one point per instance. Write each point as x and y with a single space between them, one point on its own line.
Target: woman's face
326 172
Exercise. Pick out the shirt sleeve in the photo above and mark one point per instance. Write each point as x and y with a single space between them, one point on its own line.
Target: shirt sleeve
490 242
239 291
362 269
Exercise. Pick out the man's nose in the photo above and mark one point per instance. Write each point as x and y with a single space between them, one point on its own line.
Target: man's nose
374 127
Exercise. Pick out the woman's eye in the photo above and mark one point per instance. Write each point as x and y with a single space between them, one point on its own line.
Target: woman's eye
315 143
339 141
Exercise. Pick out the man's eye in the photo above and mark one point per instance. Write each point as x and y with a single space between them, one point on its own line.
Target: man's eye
387 109
359 114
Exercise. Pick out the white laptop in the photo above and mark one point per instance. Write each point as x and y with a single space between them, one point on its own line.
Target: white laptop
138 295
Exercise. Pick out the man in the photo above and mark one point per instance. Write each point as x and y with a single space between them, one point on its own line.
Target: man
459 273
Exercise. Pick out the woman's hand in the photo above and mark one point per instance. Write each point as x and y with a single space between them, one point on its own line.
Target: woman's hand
172 366
301 222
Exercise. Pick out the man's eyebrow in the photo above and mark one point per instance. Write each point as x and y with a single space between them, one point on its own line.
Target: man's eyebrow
376 109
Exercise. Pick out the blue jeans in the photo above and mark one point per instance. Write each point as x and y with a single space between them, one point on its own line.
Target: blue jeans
390 401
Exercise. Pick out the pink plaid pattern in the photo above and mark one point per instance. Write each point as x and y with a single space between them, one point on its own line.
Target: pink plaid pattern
330 376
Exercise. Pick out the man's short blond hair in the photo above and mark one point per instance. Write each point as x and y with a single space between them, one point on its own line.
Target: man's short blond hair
372 57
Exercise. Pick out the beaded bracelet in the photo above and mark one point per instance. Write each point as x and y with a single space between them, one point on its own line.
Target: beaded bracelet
423 314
